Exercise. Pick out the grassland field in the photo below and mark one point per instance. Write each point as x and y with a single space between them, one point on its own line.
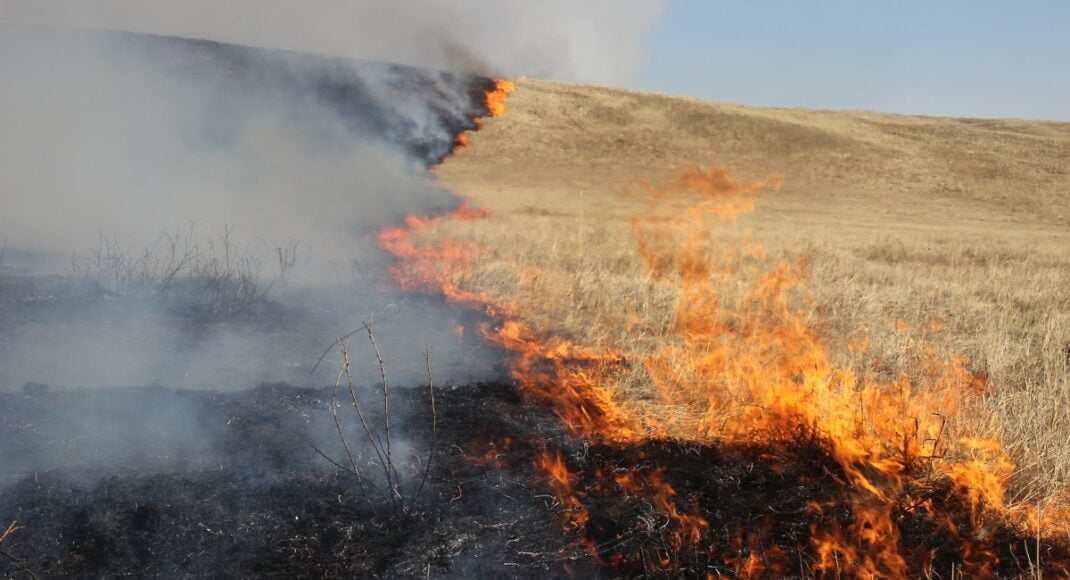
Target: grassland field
954 233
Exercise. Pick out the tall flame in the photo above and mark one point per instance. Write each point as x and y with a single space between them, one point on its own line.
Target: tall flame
742 367
495 99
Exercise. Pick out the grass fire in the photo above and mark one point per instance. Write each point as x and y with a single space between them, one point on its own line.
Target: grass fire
741 373
315 316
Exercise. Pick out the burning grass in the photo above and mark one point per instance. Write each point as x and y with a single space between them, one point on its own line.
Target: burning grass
917 232
721 345
755 510
694 403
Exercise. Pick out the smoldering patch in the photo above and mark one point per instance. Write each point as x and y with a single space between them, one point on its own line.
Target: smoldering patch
216 207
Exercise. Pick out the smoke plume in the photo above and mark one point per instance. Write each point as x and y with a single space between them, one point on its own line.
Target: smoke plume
596 41
131 160
196 214
192 214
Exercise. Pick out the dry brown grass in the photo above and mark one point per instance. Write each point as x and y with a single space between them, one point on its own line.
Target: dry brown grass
960 228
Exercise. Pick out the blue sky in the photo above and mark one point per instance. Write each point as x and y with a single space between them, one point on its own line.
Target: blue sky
978 58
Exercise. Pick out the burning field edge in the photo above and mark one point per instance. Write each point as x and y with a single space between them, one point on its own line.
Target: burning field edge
907 480
751 455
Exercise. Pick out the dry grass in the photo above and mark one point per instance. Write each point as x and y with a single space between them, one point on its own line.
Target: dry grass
960 228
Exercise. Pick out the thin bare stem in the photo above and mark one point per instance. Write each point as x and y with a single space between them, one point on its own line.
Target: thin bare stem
11 529
338 424
343 346
334 344
341 467
354 468
386 408
434 420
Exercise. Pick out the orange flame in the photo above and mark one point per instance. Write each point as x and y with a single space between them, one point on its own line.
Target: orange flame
739 368
755 367
570 377
495 99
460 141
493 103
563 485
422 267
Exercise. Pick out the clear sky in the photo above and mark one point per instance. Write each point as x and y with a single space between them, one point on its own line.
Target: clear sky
981 58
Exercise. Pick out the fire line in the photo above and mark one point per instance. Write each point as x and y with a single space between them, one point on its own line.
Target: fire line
743 372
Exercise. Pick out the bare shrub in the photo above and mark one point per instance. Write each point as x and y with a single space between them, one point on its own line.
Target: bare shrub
215 274
381 444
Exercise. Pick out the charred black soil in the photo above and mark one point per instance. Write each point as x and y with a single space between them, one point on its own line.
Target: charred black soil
259 501
256 499
761 506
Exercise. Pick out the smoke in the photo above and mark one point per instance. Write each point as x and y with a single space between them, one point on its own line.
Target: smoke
217 202
117 145
196 215
99 139
595 41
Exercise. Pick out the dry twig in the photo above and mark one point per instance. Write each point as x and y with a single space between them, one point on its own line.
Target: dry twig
391 470
434 420
11 529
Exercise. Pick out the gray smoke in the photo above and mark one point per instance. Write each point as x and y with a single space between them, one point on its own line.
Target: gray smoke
594 41
192 215
100 139
214 205
179 217
127 154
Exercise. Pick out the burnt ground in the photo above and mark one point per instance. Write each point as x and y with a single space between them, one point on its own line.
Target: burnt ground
253 498
161 482
167 482
260 501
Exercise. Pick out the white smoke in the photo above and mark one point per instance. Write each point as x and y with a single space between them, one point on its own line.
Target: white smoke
132 137
591 41
113 135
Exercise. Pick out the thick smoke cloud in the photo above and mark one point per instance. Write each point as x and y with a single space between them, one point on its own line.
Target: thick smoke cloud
117 145
99 139
593 41
191 215
139 154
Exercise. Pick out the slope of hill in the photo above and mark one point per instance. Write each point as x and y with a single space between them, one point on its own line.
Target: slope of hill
948 232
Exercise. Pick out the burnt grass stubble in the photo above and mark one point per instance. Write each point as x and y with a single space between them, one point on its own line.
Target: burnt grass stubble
265 504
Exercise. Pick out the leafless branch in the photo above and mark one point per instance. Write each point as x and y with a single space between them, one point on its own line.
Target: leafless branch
350 334
376 446
14 527
392 472
434 420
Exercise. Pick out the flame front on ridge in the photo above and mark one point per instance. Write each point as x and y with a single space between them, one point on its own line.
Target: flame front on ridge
751 368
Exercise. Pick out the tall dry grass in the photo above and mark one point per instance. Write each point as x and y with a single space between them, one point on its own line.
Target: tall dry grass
910 239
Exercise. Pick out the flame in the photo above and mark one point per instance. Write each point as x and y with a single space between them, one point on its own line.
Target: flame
742 367
423 267
489 453
495 99
460 141
493 103
755 368
562 481
571 378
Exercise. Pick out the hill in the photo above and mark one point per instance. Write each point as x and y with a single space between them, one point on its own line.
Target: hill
952 233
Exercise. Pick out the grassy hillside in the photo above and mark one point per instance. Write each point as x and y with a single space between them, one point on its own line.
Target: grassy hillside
914 230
